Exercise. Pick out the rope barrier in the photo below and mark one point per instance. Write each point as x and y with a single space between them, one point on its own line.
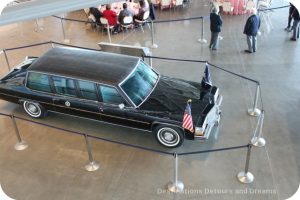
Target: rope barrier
233 73
122 143
6 115
95 137
213 150
182 19
75 46
165 21
22 47
203 61
275 8
75 20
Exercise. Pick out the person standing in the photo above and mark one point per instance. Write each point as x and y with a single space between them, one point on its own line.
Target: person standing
251 29
215 28
291 10
296 19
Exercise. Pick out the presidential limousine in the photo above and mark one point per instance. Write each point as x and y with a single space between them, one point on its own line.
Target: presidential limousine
113 88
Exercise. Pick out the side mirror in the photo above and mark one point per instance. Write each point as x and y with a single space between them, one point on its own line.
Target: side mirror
121 106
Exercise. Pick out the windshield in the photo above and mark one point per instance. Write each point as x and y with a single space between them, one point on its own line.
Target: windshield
140 83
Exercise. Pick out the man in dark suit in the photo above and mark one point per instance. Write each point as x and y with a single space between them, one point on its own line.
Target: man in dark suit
251 29
296 19
215 28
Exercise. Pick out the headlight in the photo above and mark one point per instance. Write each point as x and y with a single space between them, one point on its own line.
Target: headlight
199 131
216 95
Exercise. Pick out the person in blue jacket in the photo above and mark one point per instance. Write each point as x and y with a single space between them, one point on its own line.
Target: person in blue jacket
296 18
251 29
215 28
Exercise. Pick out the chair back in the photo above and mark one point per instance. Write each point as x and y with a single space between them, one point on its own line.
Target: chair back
178 2
250 5
263 4
103 21
146 15
227 6
127 20
165 2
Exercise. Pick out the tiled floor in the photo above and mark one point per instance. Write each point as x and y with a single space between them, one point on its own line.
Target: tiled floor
53 165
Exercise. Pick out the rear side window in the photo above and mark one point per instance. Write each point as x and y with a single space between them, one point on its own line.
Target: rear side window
87 90
110 95
64 86
38 81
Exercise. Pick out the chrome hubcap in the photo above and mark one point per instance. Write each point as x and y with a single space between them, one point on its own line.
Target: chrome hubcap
168 136
32 108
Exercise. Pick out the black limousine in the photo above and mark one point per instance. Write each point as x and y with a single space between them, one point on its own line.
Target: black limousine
112 88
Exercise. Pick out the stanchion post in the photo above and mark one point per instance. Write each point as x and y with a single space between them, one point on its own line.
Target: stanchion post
63 30
202 40
92 165
52 44
6 59
246 176
255 111
37 28
176 186
108 33
21 144
258 140
154 46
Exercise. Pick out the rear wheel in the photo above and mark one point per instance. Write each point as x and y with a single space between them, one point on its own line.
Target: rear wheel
169 136
34 110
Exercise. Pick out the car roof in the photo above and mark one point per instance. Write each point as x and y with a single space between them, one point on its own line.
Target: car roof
92 65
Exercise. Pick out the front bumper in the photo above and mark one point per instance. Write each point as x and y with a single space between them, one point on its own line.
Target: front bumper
212 119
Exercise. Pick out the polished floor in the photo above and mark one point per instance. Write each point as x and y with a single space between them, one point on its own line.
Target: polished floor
52 167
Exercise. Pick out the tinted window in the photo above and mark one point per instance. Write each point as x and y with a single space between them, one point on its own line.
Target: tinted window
38 81
110 95
87 90
64 86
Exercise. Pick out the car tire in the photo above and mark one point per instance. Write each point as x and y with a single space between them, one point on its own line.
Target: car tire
169 136
34 110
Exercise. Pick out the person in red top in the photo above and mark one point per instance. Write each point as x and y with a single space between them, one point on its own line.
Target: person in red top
111 17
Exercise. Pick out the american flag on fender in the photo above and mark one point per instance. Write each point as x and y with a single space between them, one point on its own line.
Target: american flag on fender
187 122
206 80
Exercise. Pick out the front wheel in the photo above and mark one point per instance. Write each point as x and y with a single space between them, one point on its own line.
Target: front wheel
169 136
34 110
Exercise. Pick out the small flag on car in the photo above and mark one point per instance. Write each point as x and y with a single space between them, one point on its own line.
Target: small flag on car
206 80
187 122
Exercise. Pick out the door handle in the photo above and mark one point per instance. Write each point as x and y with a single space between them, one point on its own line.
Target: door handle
101 108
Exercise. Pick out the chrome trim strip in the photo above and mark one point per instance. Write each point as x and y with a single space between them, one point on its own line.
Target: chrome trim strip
99 113
101 121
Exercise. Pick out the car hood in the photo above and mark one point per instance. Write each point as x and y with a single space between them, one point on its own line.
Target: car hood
171 95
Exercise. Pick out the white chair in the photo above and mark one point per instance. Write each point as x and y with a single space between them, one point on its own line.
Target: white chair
227 7
249 6
155 3
264 4
127 22
106 26
165 4
145 20
265 14
176 3
86 11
